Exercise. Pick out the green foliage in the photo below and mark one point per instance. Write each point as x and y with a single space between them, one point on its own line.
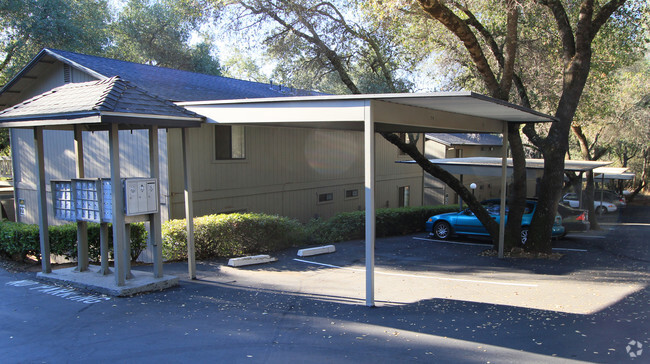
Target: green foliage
27 26
159 33
18 240
390 222
228 235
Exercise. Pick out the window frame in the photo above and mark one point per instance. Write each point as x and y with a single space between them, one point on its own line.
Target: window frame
216 141
330 200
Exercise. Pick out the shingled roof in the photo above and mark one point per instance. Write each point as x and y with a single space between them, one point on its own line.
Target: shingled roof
168 83
112 96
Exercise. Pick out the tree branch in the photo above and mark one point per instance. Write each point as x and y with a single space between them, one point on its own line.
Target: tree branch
604 14
461 30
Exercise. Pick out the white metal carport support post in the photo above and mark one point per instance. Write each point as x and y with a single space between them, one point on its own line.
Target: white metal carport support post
82 226
119 233
42 200
369 172
189 207
504 185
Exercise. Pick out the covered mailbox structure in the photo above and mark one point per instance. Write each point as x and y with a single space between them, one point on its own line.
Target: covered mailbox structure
414 113
108 105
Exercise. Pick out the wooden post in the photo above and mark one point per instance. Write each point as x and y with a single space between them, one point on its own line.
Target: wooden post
155 228
189 207
119 235
82 226
39 159
103 246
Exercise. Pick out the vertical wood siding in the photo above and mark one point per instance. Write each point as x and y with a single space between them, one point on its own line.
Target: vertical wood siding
60 162
284 172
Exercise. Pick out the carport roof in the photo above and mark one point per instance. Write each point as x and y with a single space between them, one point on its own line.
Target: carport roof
613 173
491 166
422 112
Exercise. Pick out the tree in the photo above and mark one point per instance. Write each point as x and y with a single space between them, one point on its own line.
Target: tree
488 40
325 41
159 32
30 25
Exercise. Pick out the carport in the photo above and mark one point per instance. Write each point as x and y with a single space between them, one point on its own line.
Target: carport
403 113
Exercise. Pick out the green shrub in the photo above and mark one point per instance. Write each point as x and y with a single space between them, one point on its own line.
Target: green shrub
229 235
390 222
18 240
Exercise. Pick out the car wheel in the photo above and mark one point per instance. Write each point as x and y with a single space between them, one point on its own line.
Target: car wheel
601 210
524 235
442 230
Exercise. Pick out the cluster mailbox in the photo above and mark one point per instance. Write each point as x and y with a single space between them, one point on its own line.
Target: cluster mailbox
91 200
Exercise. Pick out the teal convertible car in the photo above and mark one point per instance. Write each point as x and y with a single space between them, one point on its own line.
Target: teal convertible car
466 223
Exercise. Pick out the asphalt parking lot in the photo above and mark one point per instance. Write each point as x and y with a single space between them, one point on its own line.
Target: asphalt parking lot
436 302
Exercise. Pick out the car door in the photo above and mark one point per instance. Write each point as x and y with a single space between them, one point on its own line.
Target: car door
468 223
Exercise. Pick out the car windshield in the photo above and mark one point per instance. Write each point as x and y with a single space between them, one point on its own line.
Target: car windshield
493 208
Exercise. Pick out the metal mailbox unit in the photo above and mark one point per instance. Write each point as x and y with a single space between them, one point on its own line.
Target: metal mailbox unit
90 199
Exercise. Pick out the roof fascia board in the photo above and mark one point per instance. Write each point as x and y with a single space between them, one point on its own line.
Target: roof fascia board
75 65
54 123
151 116
281 111
58 116
22 72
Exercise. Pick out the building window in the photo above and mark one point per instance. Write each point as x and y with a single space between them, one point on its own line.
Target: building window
351 193
325 197
404 196
229 142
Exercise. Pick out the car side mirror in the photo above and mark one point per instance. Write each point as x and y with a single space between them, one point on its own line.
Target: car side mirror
468 212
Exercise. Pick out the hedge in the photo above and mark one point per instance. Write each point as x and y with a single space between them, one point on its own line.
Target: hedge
17 240
229 235
389 222
224 235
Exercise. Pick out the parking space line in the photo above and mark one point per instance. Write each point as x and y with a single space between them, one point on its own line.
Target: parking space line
571 249
452 242
419 276
486 245
573 236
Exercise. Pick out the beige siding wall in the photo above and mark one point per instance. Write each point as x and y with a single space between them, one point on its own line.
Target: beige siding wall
284 172
60 162
437 192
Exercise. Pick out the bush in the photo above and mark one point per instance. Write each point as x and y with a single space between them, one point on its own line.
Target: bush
390 222
18 240
229 235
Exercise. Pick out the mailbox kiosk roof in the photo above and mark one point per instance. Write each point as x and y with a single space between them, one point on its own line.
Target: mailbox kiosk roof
96 104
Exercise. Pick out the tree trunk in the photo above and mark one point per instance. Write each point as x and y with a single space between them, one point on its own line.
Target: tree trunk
517 192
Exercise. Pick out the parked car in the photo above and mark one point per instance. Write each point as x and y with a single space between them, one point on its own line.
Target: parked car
466 223
573 219
601 207
611 196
